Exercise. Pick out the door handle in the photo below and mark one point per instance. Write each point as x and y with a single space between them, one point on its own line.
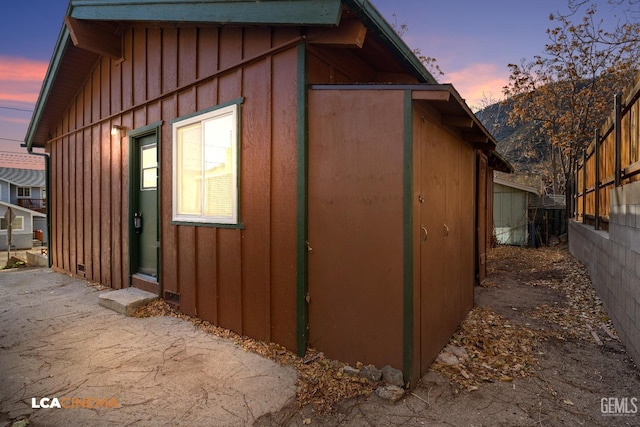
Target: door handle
137 222
446 231
425 235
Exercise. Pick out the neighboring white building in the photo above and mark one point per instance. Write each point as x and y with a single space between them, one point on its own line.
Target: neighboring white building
23 187
22 230
24 190
511 203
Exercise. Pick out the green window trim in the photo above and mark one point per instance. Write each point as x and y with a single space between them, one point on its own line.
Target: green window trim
206 167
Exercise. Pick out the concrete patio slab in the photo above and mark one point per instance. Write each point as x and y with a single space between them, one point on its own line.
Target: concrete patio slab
126 301
105 369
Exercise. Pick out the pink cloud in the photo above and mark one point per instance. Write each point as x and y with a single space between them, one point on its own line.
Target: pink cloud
20 79
22 121
21 69
479 81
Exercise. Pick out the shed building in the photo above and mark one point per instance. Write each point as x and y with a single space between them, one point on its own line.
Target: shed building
511 202
285 169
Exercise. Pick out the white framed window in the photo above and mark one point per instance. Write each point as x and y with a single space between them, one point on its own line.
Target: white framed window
16 225
149 167
24 192
205 167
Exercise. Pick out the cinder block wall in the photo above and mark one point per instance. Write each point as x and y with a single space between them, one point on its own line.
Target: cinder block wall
613 261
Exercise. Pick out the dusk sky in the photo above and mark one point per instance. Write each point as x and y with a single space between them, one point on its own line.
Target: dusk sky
472 41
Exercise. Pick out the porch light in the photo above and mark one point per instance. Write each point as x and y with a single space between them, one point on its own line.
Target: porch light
116 130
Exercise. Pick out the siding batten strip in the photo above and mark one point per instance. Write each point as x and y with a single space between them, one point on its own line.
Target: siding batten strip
407 300
302 313
171 93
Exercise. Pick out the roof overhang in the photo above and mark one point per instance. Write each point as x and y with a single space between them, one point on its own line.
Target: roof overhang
69 66
499 163
515 185
454 111
21 209
242 12
370 16
456 114
72 60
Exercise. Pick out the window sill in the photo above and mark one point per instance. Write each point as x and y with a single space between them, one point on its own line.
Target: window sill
208 224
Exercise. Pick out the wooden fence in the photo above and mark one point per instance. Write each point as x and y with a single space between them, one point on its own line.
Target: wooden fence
612 160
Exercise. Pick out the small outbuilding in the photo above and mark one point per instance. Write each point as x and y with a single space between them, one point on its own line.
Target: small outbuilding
511 202
22 226
524 217
285 169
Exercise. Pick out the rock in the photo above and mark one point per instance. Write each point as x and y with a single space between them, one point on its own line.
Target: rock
451 355
21 423
392 376
459 352
447 358
433 377
392 393
371 373
352 372
14 262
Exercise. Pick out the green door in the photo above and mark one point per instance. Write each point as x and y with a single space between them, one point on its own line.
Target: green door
145 211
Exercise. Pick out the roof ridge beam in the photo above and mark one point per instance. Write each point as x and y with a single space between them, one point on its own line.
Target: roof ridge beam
274 12
92 38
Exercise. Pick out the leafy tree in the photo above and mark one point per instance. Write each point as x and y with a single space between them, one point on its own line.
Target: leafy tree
429 62
568 92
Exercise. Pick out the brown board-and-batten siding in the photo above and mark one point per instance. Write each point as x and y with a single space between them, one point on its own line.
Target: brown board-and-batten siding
241 278
391 225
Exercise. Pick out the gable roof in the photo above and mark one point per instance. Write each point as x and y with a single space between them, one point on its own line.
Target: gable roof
70 64
499 163
515 185
23 177
20 209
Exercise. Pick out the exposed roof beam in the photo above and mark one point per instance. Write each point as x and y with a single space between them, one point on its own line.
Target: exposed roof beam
458 121
381 28
348 34
93 38
473 137
431 95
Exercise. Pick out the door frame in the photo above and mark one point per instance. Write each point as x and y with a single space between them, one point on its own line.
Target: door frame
134 137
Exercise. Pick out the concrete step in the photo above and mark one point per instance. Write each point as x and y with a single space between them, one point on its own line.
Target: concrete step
125 301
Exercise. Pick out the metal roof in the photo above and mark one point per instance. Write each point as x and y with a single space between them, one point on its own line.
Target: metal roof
23 177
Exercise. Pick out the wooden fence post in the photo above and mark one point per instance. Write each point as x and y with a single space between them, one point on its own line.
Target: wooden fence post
584 186
617 99
597 180
575 189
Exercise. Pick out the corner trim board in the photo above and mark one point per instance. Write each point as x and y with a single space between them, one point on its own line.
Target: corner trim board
407 193
302 309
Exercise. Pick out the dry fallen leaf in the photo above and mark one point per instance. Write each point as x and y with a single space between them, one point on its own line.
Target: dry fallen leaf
502 351
498 350
321 381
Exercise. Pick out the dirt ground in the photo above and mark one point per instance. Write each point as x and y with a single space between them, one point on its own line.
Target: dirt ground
541 349
538 349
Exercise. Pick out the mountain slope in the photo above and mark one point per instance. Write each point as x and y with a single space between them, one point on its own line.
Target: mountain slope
519 144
